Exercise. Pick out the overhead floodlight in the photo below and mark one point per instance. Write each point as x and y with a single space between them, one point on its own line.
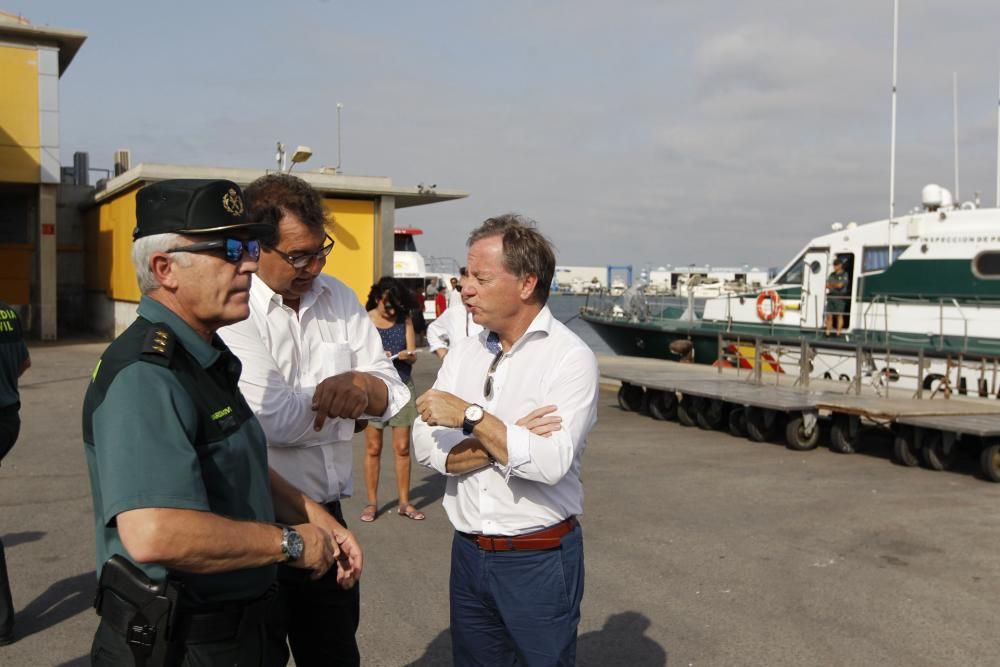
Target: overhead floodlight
301 154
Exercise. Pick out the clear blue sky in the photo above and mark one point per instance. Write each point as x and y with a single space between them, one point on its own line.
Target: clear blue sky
634 132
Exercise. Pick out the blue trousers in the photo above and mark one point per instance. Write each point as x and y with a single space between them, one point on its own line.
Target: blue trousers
516 607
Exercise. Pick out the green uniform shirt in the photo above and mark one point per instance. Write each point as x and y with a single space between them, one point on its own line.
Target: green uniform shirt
840 278
164 425
13 353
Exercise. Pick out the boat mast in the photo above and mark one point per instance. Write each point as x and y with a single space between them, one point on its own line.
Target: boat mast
998 144
954 117
892 140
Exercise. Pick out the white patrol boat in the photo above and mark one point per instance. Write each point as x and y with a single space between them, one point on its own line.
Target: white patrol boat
922 306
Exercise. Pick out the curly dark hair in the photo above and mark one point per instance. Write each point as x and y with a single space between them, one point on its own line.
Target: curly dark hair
272 196
525 249
393 293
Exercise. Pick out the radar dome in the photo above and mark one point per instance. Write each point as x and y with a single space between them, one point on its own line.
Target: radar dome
931 196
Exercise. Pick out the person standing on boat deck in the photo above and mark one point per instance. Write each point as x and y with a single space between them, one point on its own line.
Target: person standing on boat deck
14 360
455 293
837 289
507 423
182 494
308 343
453 325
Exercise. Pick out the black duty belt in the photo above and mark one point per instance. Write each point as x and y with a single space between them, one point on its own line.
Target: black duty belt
192 626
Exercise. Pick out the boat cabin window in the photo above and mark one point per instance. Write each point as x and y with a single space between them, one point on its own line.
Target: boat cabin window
793 276
876 258
987 265
404 243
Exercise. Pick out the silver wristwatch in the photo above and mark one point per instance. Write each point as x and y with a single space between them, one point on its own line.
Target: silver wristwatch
291 543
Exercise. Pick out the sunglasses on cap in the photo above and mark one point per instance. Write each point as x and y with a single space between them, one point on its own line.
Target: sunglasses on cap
234 248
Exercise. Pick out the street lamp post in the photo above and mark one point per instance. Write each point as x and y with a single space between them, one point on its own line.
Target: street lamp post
339 107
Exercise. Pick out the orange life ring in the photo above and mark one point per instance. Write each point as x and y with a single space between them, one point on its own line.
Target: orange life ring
776 310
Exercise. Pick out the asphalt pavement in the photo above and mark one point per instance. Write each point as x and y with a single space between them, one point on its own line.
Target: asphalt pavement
701 549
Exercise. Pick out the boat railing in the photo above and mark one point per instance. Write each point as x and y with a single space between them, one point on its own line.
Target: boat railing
639 307
949 313
771 361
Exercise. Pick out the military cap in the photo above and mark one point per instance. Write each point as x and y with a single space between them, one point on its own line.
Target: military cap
194 206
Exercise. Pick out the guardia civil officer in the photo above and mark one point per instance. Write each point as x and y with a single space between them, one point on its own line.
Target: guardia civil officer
185 506
14 360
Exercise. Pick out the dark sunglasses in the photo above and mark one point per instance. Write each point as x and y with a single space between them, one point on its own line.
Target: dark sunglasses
234 248
303 260
488 386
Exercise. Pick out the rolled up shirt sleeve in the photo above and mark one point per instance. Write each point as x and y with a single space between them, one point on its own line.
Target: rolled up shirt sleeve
369 357
573 389
432 444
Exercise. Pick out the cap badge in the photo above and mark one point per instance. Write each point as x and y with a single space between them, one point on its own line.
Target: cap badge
233 203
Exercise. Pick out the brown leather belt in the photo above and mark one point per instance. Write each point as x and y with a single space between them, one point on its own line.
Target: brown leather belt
541 540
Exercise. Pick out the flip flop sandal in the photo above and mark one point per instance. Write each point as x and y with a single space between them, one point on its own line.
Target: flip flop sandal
369 513
411 512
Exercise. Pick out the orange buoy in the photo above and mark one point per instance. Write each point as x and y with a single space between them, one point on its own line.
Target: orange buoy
776 308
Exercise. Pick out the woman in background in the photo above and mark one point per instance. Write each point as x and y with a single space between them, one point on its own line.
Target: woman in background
388 306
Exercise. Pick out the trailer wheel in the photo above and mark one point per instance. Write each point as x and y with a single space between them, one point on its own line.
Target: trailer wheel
904 447
989 461
761 424
844 434
630 397
710 413
933 452
795 434
686 411
662 404
738 422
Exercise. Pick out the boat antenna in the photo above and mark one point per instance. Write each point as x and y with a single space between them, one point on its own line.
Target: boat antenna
954 115
998 144
892 139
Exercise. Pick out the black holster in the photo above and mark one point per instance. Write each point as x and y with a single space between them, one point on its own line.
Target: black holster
143 611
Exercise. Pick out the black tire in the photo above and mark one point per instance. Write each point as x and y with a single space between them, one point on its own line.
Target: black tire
933 451
686 410
761 424
710 413
630 397
738 422
662 404
904 447
795 435
989 461
842 440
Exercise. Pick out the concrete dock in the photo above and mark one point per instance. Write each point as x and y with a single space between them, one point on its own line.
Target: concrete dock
702 548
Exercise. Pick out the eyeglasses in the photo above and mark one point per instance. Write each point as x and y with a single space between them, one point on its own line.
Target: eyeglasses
303 260
234 248
488 386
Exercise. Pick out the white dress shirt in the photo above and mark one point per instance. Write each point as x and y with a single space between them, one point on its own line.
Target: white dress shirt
540 486
454 324
454 296
285 356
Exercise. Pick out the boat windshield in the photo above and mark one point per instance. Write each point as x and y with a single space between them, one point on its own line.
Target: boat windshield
404 242
793 276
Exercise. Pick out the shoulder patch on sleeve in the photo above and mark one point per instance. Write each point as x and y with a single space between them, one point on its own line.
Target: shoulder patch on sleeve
158 346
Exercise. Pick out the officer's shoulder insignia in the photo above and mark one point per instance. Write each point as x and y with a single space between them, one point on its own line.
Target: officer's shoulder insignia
158 345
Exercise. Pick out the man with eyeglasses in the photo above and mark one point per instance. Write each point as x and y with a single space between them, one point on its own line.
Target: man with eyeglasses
507 422
185 506
313 367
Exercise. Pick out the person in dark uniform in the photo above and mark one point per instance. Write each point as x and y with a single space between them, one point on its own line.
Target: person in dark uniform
184 502
837 290
14 360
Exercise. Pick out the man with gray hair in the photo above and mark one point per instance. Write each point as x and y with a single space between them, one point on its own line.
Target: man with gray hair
185 506
507 422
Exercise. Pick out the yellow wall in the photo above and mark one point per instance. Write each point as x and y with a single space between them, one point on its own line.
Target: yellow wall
355 231
19 140
109 241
